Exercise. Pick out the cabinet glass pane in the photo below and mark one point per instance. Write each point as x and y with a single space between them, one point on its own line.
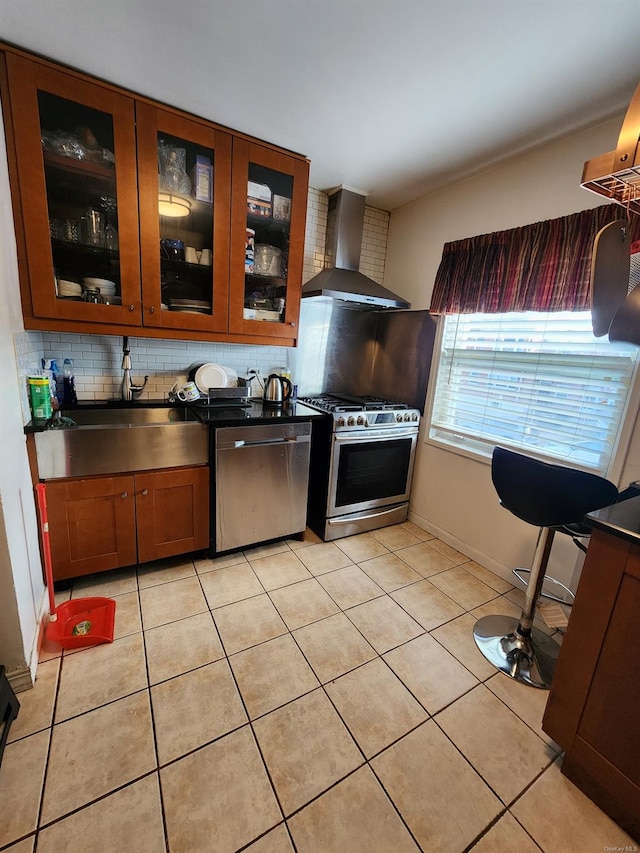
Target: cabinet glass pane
80 172
185 204
269 195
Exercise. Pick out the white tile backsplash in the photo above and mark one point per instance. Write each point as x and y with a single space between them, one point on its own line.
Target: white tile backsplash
98 358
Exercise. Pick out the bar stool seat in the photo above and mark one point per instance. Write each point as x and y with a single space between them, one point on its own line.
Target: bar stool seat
553 498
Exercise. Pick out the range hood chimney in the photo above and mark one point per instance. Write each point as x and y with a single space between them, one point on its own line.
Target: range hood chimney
616 175
340 279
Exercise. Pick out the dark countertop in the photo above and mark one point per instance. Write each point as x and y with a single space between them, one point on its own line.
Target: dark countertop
621 519
218 415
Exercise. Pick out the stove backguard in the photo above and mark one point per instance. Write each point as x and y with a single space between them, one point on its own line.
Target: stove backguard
382 353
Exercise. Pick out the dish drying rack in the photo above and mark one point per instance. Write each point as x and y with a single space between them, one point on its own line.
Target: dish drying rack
237 396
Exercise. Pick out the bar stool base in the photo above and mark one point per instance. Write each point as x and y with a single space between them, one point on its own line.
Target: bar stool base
531 660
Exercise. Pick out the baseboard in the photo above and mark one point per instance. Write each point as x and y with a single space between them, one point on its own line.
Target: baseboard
497 568
20 679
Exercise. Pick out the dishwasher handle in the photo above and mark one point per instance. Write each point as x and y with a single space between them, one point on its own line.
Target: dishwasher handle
268 441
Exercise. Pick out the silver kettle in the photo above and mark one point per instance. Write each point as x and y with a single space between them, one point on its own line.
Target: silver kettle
276 390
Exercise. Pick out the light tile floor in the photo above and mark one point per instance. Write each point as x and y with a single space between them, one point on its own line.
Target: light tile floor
302 696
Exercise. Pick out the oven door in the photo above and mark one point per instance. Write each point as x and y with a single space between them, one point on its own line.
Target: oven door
370 469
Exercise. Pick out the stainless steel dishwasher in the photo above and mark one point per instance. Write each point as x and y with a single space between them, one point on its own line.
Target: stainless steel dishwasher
261 482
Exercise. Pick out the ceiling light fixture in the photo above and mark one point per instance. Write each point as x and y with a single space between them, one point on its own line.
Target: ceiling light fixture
173 205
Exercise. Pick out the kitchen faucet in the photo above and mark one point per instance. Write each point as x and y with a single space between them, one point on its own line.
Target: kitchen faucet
128 389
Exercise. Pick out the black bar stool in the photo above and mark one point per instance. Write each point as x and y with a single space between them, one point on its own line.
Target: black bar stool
555 499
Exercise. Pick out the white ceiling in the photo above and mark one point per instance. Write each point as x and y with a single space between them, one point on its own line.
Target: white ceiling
393 97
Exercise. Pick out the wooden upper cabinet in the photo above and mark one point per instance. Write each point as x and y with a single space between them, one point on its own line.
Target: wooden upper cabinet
185 190
268 214
76 159
98 177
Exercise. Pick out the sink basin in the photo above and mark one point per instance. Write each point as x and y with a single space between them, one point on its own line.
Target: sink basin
122 440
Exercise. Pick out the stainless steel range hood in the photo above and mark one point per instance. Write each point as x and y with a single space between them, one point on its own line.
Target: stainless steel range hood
341 279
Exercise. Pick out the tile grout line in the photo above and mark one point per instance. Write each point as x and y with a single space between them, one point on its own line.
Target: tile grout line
153 719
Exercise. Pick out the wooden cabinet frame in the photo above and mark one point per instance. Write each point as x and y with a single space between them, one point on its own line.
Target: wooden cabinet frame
102 523
21 75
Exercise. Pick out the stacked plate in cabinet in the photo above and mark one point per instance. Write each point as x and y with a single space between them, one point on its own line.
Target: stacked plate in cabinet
190 306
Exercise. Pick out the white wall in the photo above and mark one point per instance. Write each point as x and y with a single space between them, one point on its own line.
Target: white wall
452 494
21 586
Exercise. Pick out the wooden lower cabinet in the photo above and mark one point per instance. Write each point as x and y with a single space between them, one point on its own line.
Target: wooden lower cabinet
593 711
108 522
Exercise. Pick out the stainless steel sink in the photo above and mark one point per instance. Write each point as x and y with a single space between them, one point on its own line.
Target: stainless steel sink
127 417
121 440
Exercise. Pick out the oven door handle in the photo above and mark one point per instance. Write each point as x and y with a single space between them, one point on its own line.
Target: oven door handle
356 516
374 435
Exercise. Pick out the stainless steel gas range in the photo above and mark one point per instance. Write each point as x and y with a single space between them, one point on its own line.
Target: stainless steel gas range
361 464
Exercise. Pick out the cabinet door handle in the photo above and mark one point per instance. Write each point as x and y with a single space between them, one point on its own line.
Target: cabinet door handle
292 324
145 492
132 307
152 310
124 495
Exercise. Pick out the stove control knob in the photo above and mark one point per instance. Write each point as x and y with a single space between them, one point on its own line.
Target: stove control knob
341 422
414 416
361 421
351 421
399 418
407 417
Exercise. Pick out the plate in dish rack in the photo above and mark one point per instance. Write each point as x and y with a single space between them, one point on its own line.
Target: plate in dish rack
232 376
210 375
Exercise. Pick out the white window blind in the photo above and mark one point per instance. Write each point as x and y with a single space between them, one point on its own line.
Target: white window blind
536 382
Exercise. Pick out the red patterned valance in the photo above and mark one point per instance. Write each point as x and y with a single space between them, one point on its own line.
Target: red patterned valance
541 267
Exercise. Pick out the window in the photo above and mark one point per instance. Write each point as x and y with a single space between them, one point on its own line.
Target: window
536 382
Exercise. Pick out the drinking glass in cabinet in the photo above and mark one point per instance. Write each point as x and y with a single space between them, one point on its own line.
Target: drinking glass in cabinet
80 163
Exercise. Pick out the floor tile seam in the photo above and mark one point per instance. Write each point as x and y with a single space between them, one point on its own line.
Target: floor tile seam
485 830
428 580
155 738
401 586
507 803
93 802
513 711
467 759
415 619
309 664
404 821
186 672
256 742
474 606
48 757
471 560
7 847
346 613
349 606
556 759
313 621
448 651
116 595
262 835
57 723
49 725
432 714
278 554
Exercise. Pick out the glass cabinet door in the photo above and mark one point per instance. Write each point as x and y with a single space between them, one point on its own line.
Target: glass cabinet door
184 169
267 240
76 145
